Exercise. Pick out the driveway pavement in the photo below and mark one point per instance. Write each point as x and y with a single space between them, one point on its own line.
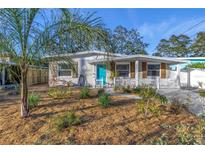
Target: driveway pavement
194 102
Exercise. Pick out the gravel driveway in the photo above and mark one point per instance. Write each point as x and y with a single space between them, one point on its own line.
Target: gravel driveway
194 102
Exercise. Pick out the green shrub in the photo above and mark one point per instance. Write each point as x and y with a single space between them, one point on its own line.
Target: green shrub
104 100
117 88
176 108
162 99
147 92
67 120
33 100
60 92
202 93
161 141
141 107
84 93
127 89
100 92
186 136
151 108
137 90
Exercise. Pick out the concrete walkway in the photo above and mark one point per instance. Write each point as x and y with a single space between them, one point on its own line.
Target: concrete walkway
113 93
194 102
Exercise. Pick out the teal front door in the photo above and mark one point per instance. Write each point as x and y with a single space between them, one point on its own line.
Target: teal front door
101 73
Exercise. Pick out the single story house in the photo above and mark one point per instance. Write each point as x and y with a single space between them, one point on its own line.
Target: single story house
97 68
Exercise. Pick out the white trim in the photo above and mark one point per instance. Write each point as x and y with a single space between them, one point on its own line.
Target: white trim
143 58
137 73
84 53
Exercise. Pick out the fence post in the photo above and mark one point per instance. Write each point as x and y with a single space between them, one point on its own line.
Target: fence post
188 78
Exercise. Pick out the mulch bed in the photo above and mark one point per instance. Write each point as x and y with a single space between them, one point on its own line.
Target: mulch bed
120 123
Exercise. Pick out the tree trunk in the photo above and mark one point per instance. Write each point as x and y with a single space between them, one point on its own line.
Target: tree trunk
24 92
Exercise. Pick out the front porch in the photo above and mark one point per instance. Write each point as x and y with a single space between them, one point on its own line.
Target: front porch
135 72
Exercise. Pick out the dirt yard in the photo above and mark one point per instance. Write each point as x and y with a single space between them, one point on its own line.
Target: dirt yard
120 123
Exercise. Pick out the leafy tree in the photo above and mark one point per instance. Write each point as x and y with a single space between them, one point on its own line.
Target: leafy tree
175 46
198 46
28 34
126 41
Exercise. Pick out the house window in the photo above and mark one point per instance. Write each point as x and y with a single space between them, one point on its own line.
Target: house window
64 70
122 70
153 69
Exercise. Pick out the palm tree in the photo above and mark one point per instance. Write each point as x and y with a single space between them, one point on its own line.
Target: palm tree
28 34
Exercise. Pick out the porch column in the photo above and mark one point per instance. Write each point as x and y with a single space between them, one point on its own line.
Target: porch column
94 75
136 73
178 75
3 75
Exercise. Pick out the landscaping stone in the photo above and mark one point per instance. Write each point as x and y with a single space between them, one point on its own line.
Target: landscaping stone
193 101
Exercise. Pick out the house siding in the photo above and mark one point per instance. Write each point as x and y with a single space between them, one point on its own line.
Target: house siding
83 67
163 70
132 69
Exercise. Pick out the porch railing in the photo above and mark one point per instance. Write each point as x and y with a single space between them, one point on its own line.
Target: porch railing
124 81
157 82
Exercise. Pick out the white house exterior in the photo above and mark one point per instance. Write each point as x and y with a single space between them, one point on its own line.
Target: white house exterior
96 68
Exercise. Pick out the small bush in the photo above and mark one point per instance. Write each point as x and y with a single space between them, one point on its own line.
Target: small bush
141 107
176 108
100 92
137 90
152 108
60 92
127 89
162 99
117 88
33 100
67 120
161 141
147 92
186 136
84 93
104 100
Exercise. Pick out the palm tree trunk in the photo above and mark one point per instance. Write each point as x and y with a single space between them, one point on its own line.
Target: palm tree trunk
24 92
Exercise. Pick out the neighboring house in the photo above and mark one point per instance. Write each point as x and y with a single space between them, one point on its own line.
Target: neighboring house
189 60
36 74
96 68
192 77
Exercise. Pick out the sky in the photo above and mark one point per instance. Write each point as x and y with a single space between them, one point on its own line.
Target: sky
154 24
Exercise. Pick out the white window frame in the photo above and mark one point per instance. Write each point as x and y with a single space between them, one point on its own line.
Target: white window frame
159 69
59 69
123 63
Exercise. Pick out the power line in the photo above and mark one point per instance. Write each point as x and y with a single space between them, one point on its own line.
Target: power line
193 26
202 21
